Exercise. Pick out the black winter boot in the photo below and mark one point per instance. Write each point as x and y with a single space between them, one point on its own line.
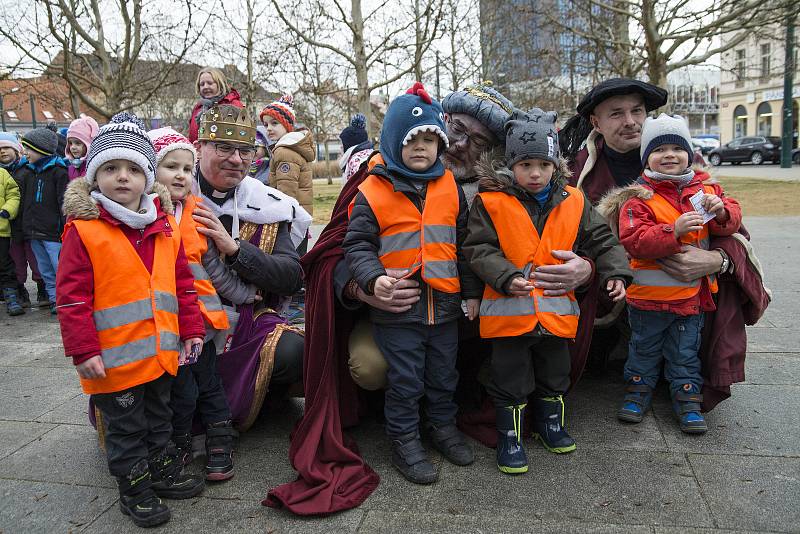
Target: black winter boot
451 443
409 457
168 480
42 299
511 456
24 296
12 304
183 444
548 425
219 450
138 500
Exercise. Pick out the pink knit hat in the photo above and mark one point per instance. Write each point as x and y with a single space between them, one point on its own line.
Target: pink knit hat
165 140
84 129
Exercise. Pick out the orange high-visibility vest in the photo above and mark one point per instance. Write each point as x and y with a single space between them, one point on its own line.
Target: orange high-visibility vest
652 283
507 316
135 312
195 245
412 240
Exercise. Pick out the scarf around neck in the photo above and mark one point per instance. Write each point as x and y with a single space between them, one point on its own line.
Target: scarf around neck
208 102
683 179
137 220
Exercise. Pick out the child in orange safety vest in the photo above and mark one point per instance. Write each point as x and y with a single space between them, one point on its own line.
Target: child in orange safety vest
525 217
197 387
128 309
670 207
408 221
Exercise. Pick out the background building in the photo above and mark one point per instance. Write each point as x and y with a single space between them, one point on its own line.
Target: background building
694 94
751 88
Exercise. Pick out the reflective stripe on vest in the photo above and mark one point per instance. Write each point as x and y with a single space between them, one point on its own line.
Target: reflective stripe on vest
411 240
507 316
135 311
195 245
652 283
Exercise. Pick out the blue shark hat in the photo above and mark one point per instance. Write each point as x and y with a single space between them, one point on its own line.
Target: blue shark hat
408 115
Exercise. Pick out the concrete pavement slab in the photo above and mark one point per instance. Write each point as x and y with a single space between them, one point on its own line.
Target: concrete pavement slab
72 412
773 340
34 507
601 486
225 516
34 354
67 454
750 492
29 392
772 369
17 434
754 421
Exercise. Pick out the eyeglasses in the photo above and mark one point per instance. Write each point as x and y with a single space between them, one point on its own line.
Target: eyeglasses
225 151
480 143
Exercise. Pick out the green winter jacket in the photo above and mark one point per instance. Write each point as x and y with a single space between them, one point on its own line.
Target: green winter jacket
482 247
9 201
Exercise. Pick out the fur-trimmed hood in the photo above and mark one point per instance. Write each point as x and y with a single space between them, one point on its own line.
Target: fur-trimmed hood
79 204
493 175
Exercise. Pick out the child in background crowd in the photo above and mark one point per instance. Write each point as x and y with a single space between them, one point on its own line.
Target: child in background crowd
43 180
79 138
196 388
9 206
356 146
408 195
11 159
128 307
259 169
657 216
525 215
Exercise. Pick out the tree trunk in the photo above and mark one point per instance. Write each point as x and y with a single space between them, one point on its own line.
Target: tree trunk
362 75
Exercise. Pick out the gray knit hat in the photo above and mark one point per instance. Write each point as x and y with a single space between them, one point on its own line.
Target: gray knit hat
666 129
122 138
42 140
532 134
484 103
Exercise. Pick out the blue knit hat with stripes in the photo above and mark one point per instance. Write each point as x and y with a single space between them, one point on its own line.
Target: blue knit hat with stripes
122 138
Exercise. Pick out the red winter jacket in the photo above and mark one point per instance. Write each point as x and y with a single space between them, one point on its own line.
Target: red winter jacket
644 238
231 98
75 287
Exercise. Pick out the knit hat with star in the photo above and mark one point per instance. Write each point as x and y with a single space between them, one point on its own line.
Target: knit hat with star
408 115
282 111
122 138
165 140
532 134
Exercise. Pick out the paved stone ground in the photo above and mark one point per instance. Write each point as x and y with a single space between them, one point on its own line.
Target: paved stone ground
744 475
765 171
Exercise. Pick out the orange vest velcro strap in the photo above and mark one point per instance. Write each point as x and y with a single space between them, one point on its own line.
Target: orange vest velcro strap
652 283
135 311
413 240
508 316
195 245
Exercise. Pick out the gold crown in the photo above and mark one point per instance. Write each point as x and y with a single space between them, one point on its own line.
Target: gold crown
227 123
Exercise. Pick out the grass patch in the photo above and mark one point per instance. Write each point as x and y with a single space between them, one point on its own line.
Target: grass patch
763 197
325 196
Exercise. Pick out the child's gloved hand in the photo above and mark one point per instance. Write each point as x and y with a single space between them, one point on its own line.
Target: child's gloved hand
92 368
713 204
616 289
4 214
186 356
384 287
519 287
691 221
473 308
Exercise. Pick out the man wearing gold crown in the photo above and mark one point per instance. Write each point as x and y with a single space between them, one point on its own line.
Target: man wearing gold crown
255 229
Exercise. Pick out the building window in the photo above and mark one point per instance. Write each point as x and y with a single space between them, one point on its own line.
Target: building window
765 57
739 122
764 117
739 68
66 115
12 115
47 114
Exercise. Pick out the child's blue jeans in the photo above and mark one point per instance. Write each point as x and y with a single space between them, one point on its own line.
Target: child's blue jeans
663 336
46 253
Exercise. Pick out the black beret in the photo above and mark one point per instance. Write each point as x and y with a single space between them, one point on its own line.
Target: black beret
654 96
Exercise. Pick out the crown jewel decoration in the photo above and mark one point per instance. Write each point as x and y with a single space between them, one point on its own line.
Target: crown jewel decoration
233 125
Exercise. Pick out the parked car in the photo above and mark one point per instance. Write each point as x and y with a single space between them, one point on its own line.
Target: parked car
756 150
796 156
